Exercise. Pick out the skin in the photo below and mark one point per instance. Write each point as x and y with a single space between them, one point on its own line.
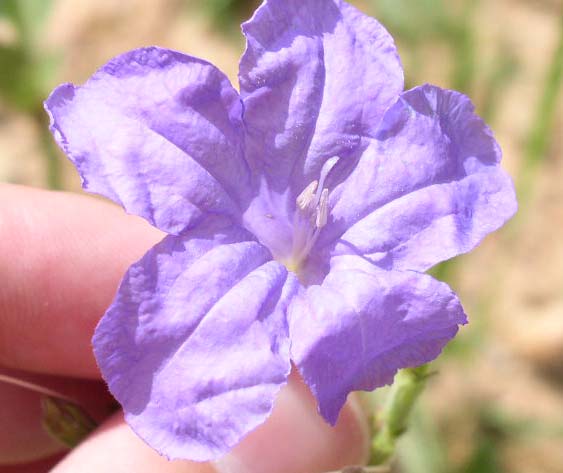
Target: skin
61 258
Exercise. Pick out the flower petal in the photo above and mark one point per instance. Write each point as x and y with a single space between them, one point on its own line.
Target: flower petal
428 188
363 323
315 77
195 345
158 132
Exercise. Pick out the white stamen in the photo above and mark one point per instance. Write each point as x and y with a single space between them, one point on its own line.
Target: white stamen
311 215
322 210
327 167
306 200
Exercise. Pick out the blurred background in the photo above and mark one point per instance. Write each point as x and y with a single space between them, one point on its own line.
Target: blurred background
497 403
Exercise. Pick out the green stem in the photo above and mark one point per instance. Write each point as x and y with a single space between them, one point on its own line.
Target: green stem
392 422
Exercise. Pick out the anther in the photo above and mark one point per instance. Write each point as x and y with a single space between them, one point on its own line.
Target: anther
306 201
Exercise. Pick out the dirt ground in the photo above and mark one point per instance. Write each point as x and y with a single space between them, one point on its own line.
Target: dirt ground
512 285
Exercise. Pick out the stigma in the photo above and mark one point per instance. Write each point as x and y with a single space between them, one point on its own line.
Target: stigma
311 215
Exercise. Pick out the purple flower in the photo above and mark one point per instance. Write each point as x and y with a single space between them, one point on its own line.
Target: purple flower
301 216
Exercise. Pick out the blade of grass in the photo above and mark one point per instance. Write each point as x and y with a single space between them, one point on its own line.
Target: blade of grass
462 39
25 73
504 70
540 137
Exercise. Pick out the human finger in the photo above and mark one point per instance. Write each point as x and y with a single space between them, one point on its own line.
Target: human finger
62 256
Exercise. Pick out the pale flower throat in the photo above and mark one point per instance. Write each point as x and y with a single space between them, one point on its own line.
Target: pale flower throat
311 215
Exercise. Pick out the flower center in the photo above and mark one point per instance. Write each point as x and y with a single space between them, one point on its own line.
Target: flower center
311 215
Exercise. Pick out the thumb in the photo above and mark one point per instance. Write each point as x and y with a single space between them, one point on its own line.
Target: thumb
295 439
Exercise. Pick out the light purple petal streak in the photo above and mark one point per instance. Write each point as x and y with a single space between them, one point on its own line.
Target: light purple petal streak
195 345
158 132
363 323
